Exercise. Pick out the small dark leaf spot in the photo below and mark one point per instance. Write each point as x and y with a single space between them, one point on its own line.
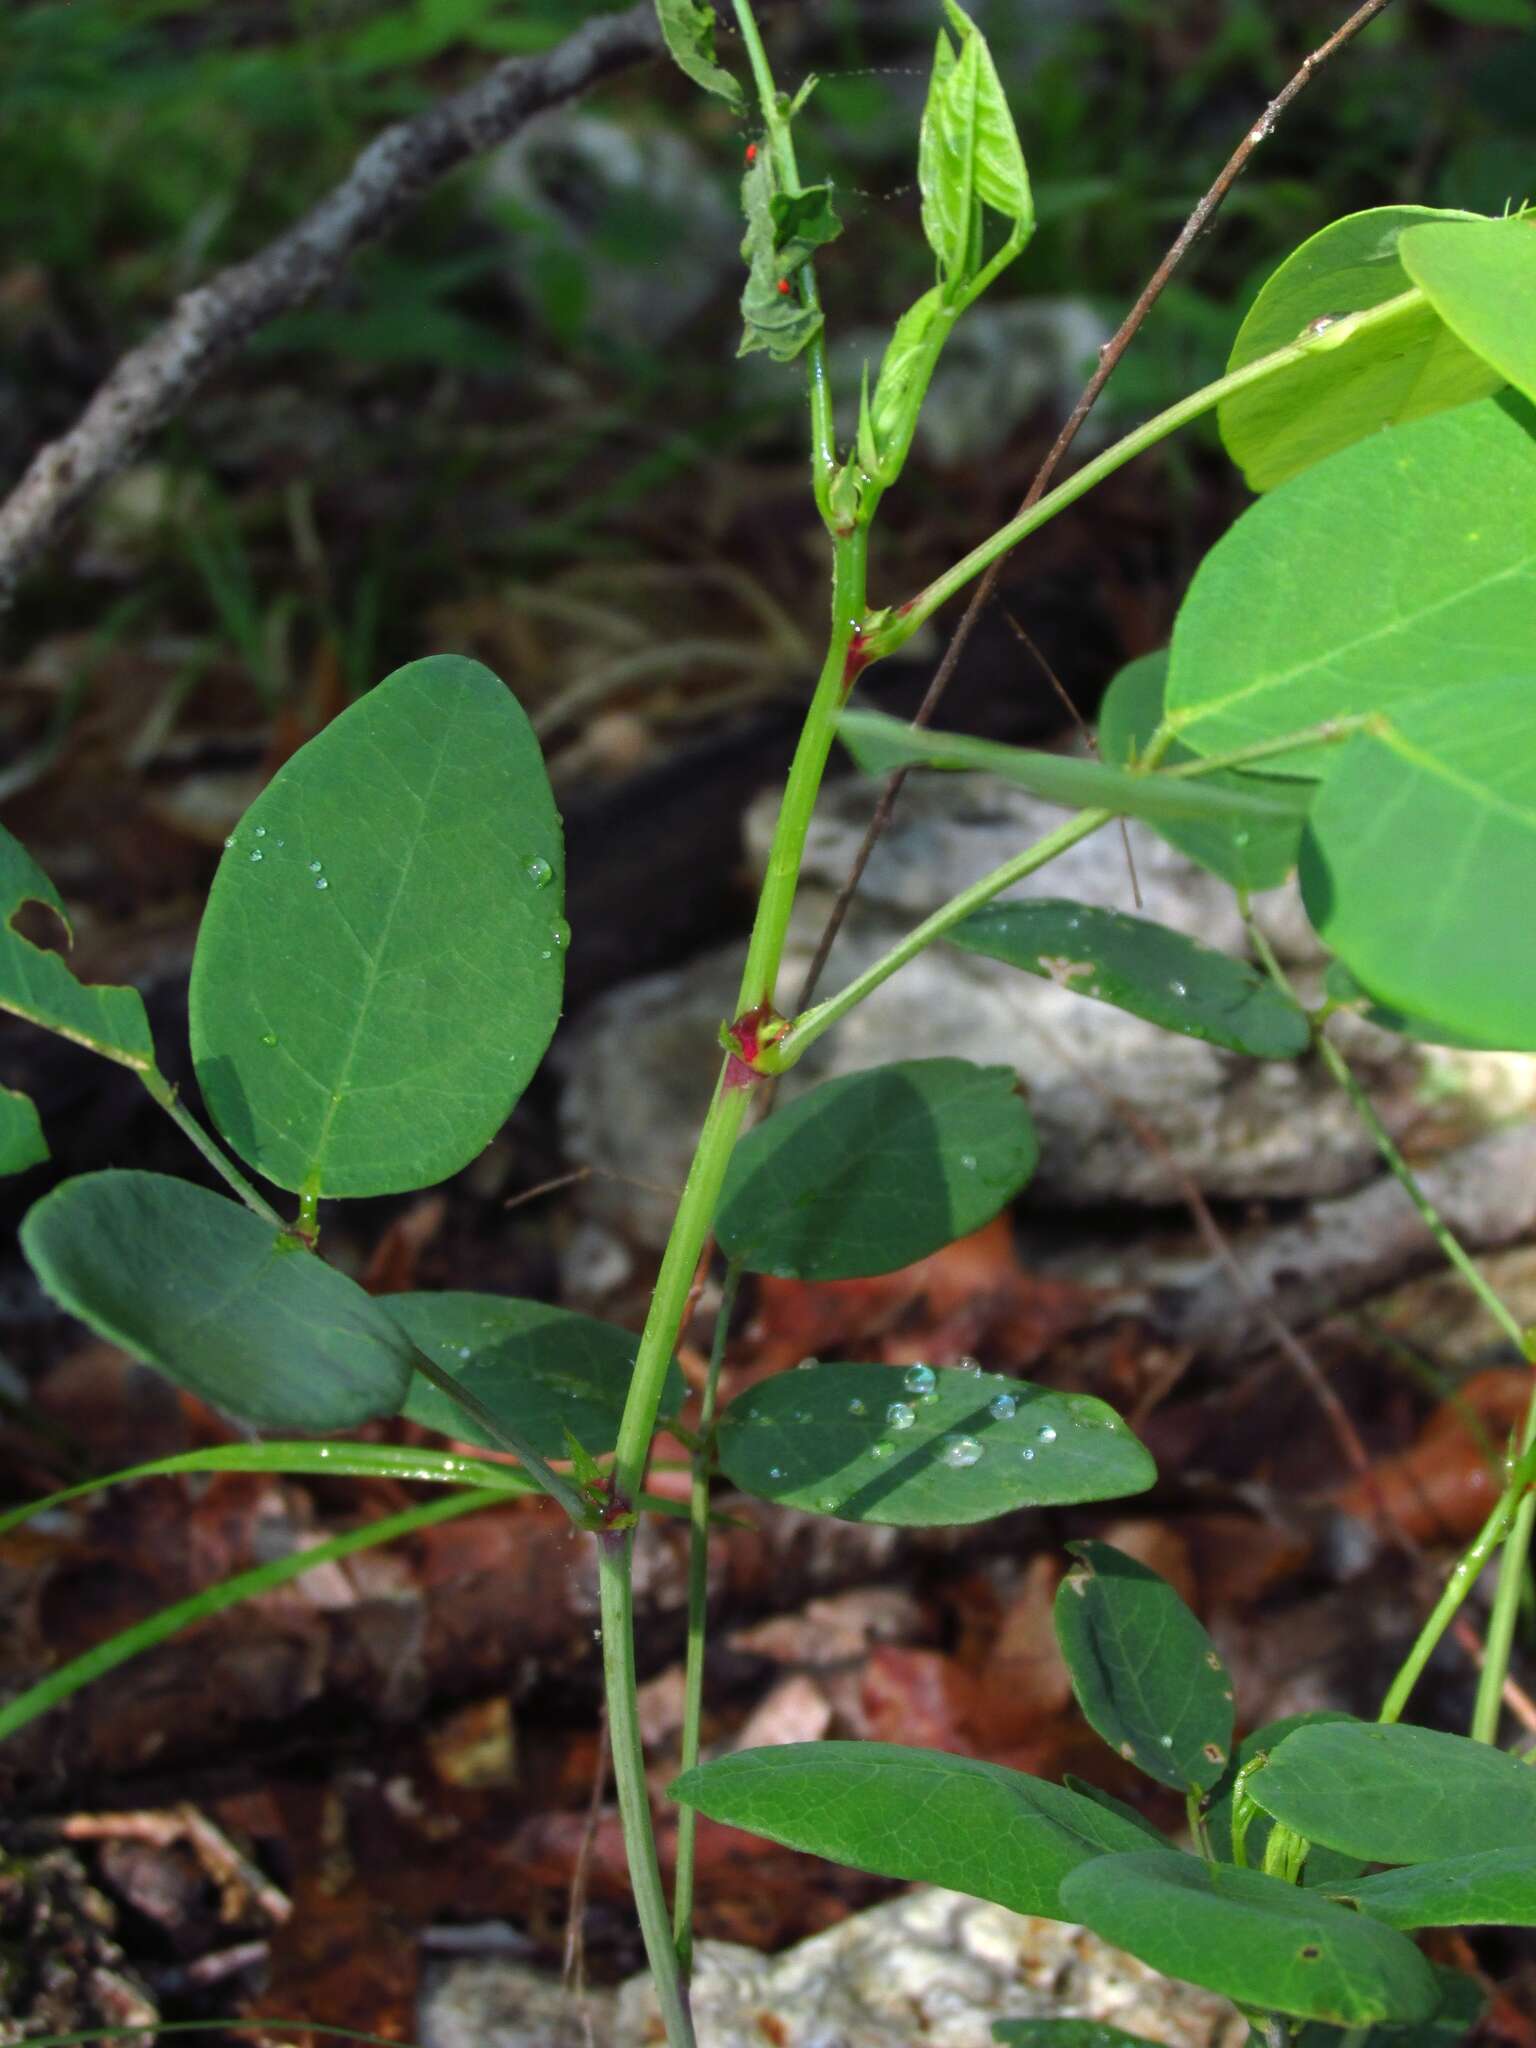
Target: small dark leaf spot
1214 1753
1310 1953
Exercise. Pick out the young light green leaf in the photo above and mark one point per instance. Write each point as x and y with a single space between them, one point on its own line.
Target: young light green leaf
916 1814
1146 1674
1253 1938
36 984
926 1448
774 317
1395 1794
1064 2034
1000 178
905 370
689 29
946 161
380 963
22 1143
542 1370
1252 855
1323 1866
880 743
1349 384
1141 967
218 1301
1416 868
1489 1888
871 1171
1402 565
1480 277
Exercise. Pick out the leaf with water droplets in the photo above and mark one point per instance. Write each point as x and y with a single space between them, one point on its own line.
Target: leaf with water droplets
1252 1938
912 1813
1146 1674
541 1370
1142 967
220 1302
873 1170
927 1456
412 985
36 984
22 1143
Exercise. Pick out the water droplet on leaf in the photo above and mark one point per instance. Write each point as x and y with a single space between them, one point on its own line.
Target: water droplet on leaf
1003 1409
919 1379
960 1451
1045 1433
257 854
322 883
900 1416
269 1038
856 1407
314 867
539 871
882 1450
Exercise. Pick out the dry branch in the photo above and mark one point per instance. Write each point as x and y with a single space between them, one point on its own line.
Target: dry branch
155 380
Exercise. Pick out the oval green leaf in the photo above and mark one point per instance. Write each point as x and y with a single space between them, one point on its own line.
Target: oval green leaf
1480 277
379 967
879 743
1142 967
1350 383
1490 1888
218 1301
36 984
1252 855
928 1448
541 1370
1253 1938
1417 866
1146 1674
1403 565
22 1143
871 1171
1393 1794
919 1814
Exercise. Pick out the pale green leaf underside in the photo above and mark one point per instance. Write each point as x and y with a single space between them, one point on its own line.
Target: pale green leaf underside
863 1443
1253 1938
1481 279
1145 968
22 1143
873 1170
217 1300
1349 384
1145 1672
1250 854
540 1370
1419 868
879 743
917 1814
36 984
372 1035
1402 565
1394 1794
1489 1888
689 31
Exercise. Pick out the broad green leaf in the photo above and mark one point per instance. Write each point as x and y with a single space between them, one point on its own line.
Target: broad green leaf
1350 383
1462 2001
379 967
22 1143
1113 1805
879 743
774 317
218 1301
1417 866
542 1370
1404 564
871 1171
927 1448
1323 1866
689 31
1480 277
1145 1672
1489 1888
1142 967
1064 2034
918 1814
1253 1938
1394 1794
1251 855
36 984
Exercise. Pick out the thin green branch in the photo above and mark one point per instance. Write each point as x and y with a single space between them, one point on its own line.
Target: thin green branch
540 1471
165 1095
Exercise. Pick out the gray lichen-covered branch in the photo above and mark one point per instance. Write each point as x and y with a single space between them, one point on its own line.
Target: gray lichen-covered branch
155 380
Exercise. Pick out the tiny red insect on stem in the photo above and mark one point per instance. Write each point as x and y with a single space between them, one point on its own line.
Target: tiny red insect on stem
751 152
783 287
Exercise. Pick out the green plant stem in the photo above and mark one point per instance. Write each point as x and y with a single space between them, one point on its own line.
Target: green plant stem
907 618
1460 1583
781 144
560 1489
698 1617
166 1096
615 1553
1499 1642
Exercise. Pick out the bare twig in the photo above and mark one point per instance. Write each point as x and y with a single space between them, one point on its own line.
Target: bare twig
1109 357
208 325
